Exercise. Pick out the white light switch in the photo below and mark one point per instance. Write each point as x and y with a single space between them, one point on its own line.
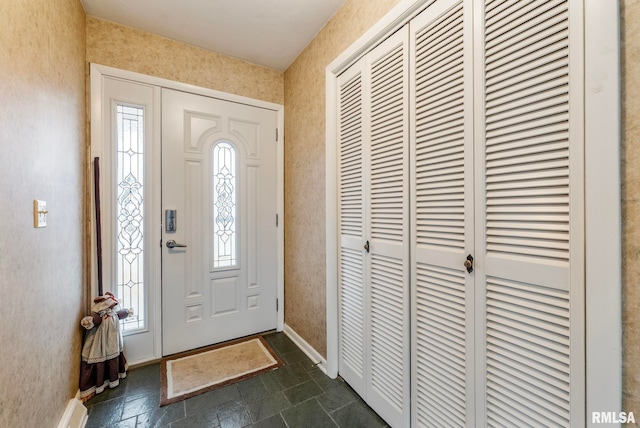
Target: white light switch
39 213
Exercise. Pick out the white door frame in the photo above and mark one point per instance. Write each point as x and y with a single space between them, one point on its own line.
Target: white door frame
97 145
602 194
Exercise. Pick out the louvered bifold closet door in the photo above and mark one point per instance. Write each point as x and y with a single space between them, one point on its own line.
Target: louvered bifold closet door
442 215
529 229
352 293
388 205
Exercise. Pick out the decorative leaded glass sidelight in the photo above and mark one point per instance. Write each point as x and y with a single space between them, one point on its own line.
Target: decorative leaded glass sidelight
224 205
130 214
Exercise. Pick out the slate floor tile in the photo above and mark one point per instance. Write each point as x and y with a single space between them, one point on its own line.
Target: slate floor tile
162 416
142 391
267 407
145 382
106 413
201 420
146 375
337 397
324 381
302 392
281 343
212 399
357 415
141 405
233 414
127 423
297 356
274 421
308 414
290 375
270 381
252 389
108 394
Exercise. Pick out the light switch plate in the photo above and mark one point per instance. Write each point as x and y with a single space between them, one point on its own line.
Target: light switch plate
39 213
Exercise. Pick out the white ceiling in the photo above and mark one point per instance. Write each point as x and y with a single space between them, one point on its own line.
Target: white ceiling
266 32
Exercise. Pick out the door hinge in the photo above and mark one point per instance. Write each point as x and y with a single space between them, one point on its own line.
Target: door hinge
276 220
277 304
276 134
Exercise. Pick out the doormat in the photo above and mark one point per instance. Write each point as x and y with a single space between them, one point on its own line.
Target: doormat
186 376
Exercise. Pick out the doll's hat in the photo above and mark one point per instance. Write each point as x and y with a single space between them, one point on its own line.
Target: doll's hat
102 303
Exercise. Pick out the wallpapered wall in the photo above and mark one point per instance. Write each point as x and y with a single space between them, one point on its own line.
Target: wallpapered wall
304 175
630 17
42 135
42 85
304 179
134 50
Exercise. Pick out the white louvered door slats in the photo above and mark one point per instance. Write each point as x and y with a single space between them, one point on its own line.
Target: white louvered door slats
442 215
352 291
462 134
530 215
388 389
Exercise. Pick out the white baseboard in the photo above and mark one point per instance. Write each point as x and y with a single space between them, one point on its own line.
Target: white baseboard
306 348
75 415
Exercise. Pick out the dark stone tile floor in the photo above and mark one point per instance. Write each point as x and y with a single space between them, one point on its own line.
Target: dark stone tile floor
297 395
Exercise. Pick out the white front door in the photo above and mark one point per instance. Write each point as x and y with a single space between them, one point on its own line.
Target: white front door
219 208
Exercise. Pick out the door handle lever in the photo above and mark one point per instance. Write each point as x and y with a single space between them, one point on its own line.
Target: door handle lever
172 244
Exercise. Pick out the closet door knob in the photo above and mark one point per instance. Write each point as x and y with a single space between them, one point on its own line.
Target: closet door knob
469 263
366 246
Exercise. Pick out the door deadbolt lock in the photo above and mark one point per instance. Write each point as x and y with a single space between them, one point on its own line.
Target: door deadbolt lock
170 220
469 263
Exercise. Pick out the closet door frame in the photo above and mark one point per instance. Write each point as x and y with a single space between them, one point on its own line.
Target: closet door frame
602 133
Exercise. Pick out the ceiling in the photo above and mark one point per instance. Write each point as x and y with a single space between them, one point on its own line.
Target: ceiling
266 32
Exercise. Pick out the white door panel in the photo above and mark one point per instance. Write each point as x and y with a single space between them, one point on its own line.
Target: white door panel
387 206
442 215
529 141
219 174
374 252
352 292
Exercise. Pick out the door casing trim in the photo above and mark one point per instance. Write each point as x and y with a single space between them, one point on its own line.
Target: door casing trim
97 73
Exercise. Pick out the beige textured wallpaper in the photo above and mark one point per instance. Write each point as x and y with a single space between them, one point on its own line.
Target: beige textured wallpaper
304 173
631 205
134 50
42 134
42 85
